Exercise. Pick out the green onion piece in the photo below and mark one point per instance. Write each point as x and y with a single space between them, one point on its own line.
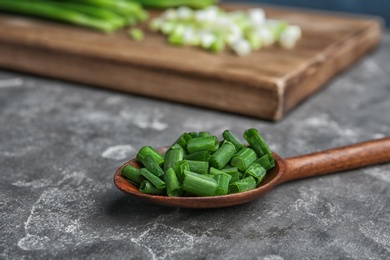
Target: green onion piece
199 184
256 142
223 155
136 34
256 171
223 180
160 184
145 150
248 183
204 134
198 156
207 143
180 167
232 171
172 156
200 167
152 166
183 139
194 134
173 186
267 161
229 136
133 174
243 158
148 188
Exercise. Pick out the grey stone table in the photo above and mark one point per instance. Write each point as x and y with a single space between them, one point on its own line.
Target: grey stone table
60 144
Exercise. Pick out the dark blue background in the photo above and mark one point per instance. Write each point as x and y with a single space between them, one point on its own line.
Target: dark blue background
372 7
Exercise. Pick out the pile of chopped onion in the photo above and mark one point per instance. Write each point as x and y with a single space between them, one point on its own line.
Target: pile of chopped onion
214 29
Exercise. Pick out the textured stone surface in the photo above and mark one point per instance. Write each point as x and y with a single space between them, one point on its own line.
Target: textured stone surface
60 144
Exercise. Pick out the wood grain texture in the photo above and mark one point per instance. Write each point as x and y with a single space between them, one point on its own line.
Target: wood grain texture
266 84
338 159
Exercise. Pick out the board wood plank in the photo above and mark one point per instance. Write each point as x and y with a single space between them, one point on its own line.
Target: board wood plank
266 84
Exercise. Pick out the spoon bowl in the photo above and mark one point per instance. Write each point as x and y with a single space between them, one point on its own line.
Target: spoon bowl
330 161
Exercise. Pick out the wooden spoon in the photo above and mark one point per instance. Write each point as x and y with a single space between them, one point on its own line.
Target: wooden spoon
315 164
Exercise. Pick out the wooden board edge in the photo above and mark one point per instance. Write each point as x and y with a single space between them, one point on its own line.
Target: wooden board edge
336 59
192 89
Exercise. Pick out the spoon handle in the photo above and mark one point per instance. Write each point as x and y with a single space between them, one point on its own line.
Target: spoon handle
337 159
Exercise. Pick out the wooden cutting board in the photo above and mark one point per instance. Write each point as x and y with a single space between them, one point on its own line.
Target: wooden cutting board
266 84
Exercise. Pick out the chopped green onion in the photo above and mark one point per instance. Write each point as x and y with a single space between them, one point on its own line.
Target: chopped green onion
151 165
183 139
172 183
232 171
229 136
223 180
146 150
207 143
148 188
136 34
244 158
199 184
266 161
201 167
160 184
256 142
133 174
172 156
223 155
191 175
256 171
198 156
180 167
248 183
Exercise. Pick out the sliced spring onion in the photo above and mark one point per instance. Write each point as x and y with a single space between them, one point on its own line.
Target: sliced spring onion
151 165
232 171
243 158
256 171
133 174
199 184
172 183
248 183
146 150
223 180
198 156
200 167
223 155
157 182
229 136
136 34
207 143
256 142
172 156
148 188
